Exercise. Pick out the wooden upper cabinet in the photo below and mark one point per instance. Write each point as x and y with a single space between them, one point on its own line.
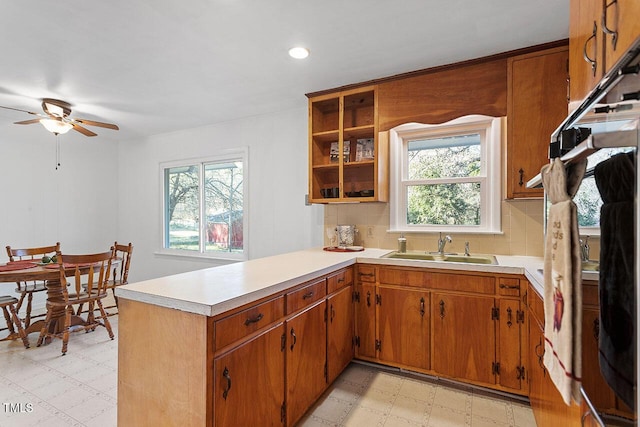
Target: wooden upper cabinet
599 33
536 105
347 161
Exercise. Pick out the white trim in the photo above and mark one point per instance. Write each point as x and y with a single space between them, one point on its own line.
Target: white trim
241 153
490 129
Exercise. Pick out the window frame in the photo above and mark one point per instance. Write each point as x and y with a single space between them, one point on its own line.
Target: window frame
491 130
223 156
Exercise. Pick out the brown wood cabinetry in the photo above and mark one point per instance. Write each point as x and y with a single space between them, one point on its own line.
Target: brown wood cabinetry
457 325
594 48
536 105
464 336
511 371
248 382
548 407
306 357
347 161
340 331
403 327
365 313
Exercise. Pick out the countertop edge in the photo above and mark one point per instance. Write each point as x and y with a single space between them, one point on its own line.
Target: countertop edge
215 290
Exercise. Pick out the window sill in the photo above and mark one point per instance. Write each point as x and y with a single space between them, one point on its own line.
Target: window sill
443 230
199 256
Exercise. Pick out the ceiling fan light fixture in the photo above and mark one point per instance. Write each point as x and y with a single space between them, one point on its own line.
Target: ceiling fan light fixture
56 126
54 109
298 52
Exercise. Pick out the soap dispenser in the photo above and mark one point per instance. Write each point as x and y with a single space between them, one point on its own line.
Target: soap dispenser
402 243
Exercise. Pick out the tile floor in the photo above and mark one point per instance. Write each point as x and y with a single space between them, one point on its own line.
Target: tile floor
39 387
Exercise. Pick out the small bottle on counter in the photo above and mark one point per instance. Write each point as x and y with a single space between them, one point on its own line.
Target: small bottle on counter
402 243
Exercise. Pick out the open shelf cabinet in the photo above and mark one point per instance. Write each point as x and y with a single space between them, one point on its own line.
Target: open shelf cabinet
347 162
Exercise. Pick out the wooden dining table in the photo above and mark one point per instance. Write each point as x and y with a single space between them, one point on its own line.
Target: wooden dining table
30 270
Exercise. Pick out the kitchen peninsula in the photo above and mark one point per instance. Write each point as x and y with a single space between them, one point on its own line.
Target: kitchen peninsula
211 347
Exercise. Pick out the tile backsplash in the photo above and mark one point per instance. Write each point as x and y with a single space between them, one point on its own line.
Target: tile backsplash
522 230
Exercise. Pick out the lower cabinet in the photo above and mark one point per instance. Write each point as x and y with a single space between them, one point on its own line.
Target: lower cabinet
464 337
548 407
511 371
249 382
403 327
306 340
365 313
340 330
459 325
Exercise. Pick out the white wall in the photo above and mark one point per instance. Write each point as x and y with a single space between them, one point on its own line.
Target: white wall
76 205
279 221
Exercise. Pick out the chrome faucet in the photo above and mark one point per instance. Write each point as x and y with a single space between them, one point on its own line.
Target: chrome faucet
442 242
584 248
466 249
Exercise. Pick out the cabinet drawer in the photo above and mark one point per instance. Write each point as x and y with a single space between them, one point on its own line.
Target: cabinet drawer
461 282
241 324
366 273
536 305
339 280
306 295
403 277
509 286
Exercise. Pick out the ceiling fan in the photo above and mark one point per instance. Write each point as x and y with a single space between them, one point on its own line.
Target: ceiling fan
56 118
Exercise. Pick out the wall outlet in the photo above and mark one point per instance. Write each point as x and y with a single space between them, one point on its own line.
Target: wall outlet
369 231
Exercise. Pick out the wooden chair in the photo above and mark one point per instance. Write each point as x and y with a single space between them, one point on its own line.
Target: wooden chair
96 268
11 316
120 273
27 289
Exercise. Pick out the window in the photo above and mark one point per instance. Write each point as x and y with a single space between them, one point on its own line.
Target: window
446 177
204 206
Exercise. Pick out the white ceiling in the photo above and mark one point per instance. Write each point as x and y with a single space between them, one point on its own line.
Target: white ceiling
157 66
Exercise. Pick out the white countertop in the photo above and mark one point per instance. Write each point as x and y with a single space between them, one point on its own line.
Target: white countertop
214 290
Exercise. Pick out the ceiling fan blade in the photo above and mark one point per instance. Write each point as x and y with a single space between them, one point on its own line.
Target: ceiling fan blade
94 123
84 131
22 111
27 122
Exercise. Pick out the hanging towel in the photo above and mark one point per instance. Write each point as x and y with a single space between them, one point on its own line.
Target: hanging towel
615 179
562 279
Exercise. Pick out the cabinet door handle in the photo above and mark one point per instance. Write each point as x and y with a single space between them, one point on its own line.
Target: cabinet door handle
596 329
307 295
509 316
368 298
441 309
585 55
521 182
605 29
256 319
341 279
226 375
295 338
333 313
422 307
503 286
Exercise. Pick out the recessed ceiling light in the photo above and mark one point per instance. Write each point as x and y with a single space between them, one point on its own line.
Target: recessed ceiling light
298 52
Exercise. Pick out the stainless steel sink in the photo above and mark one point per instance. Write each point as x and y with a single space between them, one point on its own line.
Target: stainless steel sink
423 256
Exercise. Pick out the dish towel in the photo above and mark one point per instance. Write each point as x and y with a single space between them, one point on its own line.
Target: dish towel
562 279
615 179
